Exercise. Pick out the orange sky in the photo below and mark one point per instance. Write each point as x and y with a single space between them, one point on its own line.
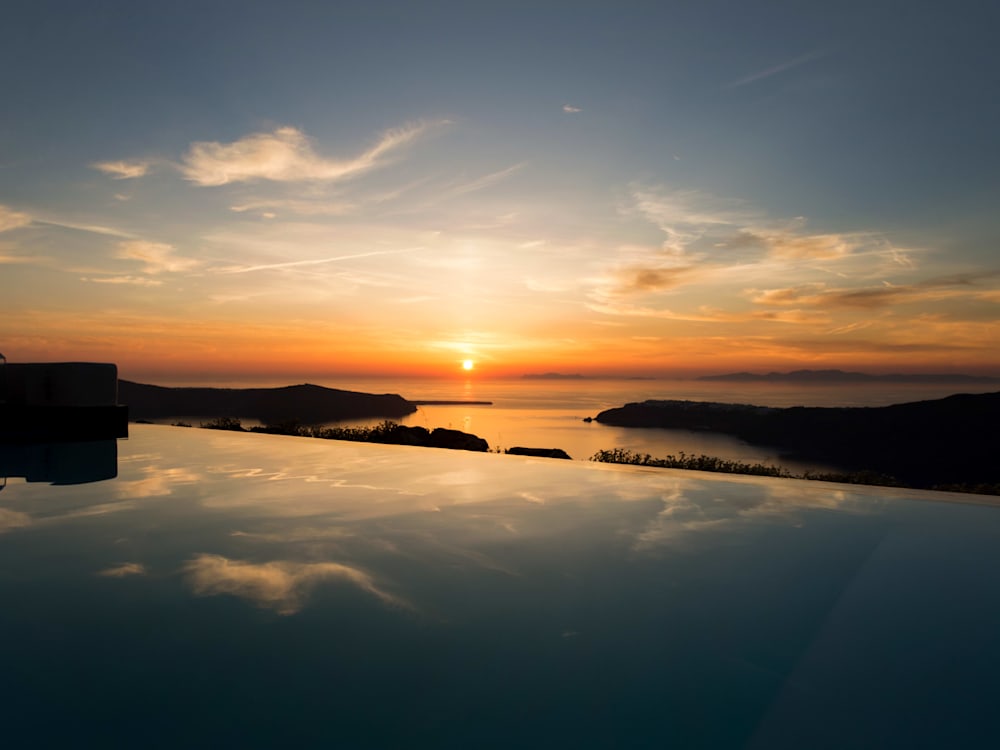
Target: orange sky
313 196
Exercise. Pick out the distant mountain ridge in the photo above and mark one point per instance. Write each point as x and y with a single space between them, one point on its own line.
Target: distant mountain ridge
840 376
308 404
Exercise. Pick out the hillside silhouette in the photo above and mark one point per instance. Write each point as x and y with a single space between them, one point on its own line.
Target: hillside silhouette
954 440
308 404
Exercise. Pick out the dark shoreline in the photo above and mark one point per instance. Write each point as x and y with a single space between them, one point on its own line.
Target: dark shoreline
924 444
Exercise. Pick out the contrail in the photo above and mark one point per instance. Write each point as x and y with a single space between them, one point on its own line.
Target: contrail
93 228
788 65
320 261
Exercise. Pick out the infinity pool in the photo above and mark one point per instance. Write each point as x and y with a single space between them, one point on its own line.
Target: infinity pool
236 590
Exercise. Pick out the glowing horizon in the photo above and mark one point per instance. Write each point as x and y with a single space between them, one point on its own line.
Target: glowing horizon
683 201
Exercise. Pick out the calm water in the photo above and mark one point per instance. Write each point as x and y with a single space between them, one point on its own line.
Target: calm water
549 414
232 590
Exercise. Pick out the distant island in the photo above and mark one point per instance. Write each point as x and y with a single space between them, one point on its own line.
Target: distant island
553 376
308 404
932 444
840 376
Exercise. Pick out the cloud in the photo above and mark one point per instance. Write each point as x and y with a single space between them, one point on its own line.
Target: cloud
789 245
685 511
570 109
123 170
267 208
706 314
549 285
123 570
687 216
786 296
317 261
641 280
788 316
157 256
720 245
901 258
88 228
817 295
13 519
486 180
689 208
874 297
36 260
624 309
134 280
960 279
280 585
285 155
11 219
691 218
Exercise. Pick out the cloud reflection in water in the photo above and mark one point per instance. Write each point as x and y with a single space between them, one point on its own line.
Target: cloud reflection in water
13 519
688 508
280 585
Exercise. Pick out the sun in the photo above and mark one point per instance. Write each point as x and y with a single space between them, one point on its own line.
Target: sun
468 364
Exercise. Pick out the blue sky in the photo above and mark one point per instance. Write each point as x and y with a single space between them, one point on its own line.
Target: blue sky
394 187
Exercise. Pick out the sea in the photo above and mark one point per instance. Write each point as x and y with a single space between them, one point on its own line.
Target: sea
550 413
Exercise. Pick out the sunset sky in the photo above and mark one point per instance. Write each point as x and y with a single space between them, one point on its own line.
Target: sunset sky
306 190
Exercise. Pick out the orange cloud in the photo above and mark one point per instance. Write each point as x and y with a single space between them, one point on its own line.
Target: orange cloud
639 280
157 257
285 155
123 170
11 219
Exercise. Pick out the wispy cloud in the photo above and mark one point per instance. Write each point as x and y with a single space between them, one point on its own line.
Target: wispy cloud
641 280
719 249
317 261
619 308
123 170
157 257
133 280
81 227
570 109
697 224
875 297
686 216
791 245
287 155
760 75
24 260
123 570
11 219
300 207
486 180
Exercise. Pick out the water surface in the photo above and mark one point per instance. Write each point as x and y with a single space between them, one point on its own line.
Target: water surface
255 590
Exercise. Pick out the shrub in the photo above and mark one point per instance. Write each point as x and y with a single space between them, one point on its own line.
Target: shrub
224 423
690 462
